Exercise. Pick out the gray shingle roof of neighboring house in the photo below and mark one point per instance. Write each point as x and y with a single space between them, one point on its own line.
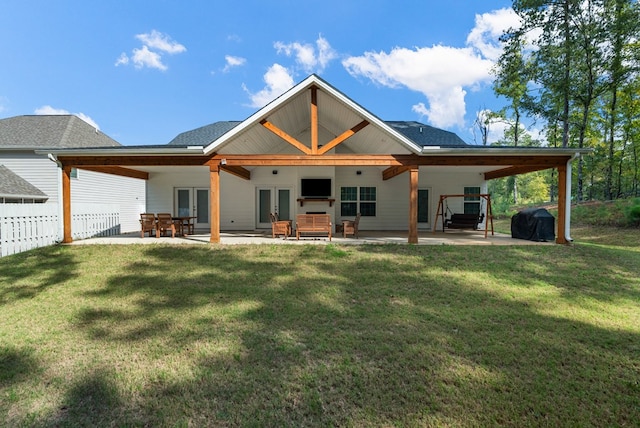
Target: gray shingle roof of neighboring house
12 185
205 134
55 131
419 133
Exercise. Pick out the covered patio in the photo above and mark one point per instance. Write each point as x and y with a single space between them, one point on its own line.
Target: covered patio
454 237
312 132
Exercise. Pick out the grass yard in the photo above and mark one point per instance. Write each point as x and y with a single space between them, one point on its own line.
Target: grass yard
322 335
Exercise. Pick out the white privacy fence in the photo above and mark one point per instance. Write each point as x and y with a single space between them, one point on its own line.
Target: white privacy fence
27 226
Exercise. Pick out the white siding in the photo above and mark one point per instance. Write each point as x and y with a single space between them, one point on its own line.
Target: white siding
392 211
90 187
392 197
450 183
108 189
37 170
238 196
161 185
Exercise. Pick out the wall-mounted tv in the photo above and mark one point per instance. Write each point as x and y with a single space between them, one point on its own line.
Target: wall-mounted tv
315 188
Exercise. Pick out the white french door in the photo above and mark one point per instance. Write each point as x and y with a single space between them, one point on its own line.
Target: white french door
273 200
193 202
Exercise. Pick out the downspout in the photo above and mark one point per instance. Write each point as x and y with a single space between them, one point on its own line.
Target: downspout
567 202
52 158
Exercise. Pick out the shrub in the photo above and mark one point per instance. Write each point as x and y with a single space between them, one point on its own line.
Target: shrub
632 213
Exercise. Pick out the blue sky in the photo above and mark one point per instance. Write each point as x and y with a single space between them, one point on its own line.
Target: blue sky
145 71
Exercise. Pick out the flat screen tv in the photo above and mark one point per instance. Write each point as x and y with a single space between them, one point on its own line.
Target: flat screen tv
315 188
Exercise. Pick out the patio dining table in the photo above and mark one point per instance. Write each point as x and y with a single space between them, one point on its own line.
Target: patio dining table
185 224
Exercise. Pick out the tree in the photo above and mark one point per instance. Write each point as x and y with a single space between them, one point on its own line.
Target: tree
572 63
622 21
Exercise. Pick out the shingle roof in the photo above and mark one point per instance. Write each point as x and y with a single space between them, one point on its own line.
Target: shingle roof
55 131
12 185
425 135
205 134
419 133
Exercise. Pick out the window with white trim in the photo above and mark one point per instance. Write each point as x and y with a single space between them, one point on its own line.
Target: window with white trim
472 203
354 200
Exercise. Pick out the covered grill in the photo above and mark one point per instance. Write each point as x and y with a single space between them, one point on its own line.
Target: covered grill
534 224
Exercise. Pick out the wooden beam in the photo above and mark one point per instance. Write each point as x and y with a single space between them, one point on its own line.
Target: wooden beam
562 208
286 137
540 162
118 170
302 160
135 160
214 203
413 205
342 137
394 171
314 120
66 205
514 170
238 171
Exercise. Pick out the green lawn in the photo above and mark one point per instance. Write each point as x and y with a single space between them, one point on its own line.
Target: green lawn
322 335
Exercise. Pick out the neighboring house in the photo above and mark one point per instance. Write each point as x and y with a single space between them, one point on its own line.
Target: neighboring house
29 177
15 189
313 149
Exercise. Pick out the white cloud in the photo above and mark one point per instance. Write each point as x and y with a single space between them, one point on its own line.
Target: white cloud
161 42
123 59
488 29
278 80
233 61
440 73
145 58
312 59
48 110
443 74
155 44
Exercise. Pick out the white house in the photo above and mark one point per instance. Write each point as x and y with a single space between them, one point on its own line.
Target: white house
30 177
314 150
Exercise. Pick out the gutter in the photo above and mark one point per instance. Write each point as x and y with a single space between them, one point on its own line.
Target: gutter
119 151
52 158
567 202
498 150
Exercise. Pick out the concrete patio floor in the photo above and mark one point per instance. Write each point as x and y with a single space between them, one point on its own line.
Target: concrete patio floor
454 237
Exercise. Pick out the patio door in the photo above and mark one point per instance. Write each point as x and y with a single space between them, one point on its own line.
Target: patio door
273 200
423 208
193 202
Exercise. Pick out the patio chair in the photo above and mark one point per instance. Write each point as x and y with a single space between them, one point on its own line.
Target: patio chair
279 227
147 223
350 227
165 224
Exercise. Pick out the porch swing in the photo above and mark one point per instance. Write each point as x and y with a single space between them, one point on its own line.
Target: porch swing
465 221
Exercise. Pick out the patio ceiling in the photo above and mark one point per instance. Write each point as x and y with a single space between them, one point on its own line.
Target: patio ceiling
295 118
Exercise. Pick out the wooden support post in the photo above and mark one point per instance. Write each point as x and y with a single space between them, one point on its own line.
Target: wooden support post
413 205
314 120
562 208
214 201
66 205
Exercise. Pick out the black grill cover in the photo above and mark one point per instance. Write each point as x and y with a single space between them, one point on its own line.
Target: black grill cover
534 224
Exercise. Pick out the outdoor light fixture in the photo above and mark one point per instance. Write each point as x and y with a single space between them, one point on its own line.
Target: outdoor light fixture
274 172
358 172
